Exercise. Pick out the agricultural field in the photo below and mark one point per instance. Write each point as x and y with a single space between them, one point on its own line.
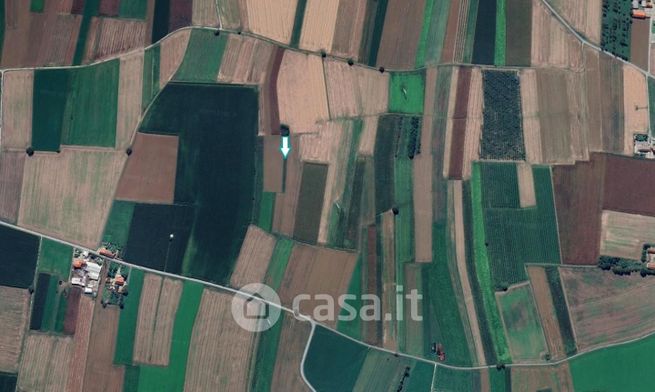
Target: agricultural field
596 298
20 254
13 319
616 28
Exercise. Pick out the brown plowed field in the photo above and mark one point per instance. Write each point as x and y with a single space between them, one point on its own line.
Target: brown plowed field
72 310
400 34
152 343
172 50
269 115
17 109
367 94
149 174
422 196
293 339
256 252
530 113
14 309
273 164
553 115
109 7
229 11
319 23
109 36
627 185
459 123
272 18
101 374
448 51
44 363
635 104
623 235
527 197
180 14
349 27
245 61
593 92
639 42
313 270
542 378
81 343
204 13
286 202
547 314
473 124
217 335
578 212
552 44
11 181
606 308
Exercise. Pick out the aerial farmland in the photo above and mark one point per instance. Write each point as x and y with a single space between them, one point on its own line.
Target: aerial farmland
326 195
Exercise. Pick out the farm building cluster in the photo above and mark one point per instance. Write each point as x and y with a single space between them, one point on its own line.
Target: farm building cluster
642 9
86 269
644 146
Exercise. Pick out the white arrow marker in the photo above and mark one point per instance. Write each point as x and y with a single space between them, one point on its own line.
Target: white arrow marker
286 147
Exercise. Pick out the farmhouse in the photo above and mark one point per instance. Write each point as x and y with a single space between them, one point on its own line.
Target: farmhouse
86 271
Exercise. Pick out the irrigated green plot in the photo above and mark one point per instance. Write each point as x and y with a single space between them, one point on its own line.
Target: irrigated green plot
333 363
171 377
37 5
128 318
621 368
515 236
406 92
150 89
55 258
483 270
267 348
49 102
75 106
217 127
447 380
266 210
118 224
499 44
91 105
202 58
278 264
524 331
133 9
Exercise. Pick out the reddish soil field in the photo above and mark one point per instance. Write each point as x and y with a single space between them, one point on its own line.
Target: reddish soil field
109 7
273 164
11 181
459 124
149 174
628 185
81 343
400 35
101 374
78 7
372 329
448 52
269 107
639 41
578 199
181 13
70 319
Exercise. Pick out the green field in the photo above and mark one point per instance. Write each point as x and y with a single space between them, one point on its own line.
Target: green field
374 24
216 152
518 37
616 28
562 310
406 91
386 141
55 258
133 9
266 211
383 371
128 318
118 224
448 380
499 45
535 228
202 58
621 368
333 363
298 22
267 348
19 256
442 319
470 30
483 271
171 378
151 61
524 331
310 202
434 26
403 188
37 5
354 328
50 303
75 106
8 381
91 8
425 30
278 264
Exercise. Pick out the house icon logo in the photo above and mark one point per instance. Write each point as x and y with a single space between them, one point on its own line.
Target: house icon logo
255 307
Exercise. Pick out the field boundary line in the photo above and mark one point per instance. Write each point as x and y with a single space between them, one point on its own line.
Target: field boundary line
304 356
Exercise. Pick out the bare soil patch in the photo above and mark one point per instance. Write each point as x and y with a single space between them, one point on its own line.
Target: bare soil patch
245 61
530 113
293 339
172 51
635 106
130 89
272 18
44 363
623 235
14 309
256 252
17 109
400 34
366 95
11 181
349 27
527 196
319 24
149 174
639 42
101 374
112 36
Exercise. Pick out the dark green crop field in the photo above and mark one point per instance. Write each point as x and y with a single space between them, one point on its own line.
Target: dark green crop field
217 127
18 255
